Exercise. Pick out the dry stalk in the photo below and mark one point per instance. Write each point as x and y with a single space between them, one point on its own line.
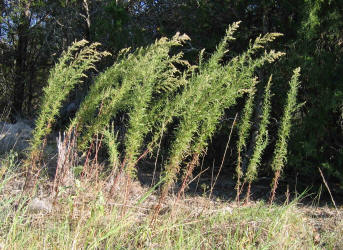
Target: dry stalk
224 155
287 195
327 187
67 157
201 172
238 184
157 155
275 184
32 169
85 170
128 182
117 175
190 168
158 207
145 153
247 196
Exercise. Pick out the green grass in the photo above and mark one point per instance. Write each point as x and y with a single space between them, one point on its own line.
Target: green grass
83 216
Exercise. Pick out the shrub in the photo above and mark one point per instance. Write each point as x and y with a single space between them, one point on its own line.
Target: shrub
67 73
158 91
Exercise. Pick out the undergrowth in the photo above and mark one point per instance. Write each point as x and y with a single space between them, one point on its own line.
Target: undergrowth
83 217
153 101
154 94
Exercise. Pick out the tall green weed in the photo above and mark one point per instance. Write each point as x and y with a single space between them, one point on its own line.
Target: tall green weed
157 91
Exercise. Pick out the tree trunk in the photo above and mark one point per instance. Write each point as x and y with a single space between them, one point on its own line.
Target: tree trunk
21 59
2 9
87 18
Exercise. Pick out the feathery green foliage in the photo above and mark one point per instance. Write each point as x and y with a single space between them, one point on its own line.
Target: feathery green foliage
134 84
160 75
212 90
105 98
243 132
262 136
280 151
155 88
67 73
101 92
110 140
192 106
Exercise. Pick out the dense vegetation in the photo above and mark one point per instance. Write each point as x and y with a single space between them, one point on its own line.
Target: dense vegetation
34 34
235 98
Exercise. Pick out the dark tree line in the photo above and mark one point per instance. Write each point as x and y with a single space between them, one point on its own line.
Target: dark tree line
33 33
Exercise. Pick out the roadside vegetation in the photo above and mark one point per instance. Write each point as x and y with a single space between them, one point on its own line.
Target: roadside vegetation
83 215
152 102
155 91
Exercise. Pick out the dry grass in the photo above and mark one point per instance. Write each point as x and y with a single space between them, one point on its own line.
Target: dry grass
84 216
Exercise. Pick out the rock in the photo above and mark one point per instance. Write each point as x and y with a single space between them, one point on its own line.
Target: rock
38 205
14 136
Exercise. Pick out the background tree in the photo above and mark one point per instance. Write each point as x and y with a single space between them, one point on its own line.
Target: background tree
318 49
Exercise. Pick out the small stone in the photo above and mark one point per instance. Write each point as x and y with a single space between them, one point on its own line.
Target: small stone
14 136
40 206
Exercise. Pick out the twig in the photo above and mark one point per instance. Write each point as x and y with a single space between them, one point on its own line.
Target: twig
142 156
116 178
223 159
190 168
274 186
158 152
247 197
327 187
201 171
198 175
